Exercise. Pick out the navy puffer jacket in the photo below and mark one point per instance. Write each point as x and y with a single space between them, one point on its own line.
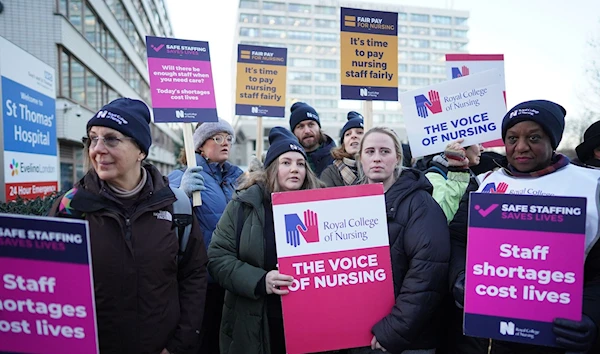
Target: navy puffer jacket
420 252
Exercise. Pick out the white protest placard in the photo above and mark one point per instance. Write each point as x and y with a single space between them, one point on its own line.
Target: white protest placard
470 107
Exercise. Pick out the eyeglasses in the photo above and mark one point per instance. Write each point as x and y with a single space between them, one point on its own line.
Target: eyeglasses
220 139
109 141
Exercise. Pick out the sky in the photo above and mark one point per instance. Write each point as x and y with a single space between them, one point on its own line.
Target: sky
545 43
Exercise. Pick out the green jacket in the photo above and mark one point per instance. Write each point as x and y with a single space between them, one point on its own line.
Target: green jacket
244 327
448 190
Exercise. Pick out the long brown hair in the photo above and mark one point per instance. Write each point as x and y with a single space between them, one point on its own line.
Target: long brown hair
267 178
362 179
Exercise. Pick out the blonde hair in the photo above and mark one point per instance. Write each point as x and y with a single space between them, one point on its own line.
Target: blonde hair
267 178
362 178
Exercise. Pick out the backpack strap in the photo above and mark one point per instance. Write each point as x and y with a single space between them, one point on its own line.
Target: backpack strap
182 218
436 169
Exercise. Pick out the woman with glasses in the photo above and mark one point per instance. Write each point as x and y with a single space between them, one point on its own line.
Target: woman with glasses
215 177
149 296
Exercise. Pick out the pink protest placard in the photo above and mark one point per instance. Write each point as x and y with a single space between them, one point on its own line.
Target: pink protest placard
181 81
459 65
525 257
334 243
47 295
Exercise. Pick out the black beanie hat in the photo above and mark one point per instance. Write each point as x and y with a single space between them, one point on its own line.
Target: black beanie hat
549 115
281 141
128 116
301 111
591 140
355 120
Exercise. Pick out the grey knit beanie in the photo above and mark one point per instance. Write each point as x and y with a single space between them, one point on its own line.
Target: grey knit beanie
208 129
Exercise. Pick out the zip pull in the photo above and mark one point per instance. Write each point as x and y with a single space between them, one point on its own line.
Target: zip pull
128 229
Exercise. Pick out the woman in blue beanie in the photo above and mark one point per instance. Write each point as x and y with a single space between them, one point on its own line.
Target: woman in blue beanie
242 254
531 132
216 178
149 297
343 170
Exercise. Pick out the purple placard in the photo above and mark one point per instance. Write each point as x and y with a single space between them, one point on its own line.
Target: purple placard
259 111
45 265
369 93
181 81
522 267
254 54
375 22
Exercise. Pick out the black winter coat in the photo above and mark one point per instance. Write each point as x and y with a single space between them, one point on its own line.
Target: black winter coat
321 158
420 252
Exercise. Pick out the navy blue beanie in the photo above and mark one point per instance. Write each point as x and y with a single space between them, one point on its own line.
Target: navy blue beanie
301 111
355 120
128 116
281 141
549 115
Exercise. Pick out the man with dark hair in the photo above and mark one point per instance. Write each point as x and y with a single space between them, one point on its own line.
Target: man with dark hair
306 126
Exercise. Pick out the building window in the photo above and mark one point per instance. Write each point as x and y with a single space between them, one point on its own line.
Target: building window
329 37
402 29
326 77
299 21
325 10
442 32
249 18
324 50
126 23
299 8
273 20
421 69
419 55
81 85
326 23
461 46
301 62
419 18
326 103
438 57
402 55
418 43
402 68
300 76
461 21
460 33
248 32
301 89
403 80
275 6
71 166
248 4
271 33
441 45
422 31
437 69
402 16
437 80
299 35
300 49
402 42
419 81
442 20
326 90
326 63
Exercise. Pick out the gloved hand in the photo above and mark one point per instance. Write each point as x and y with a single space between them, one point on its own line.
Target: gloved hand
456 154
192 181
458 290
575 336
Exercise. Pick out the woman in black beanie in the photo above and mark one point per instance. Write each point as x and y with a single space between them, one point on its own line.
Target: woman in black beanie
242 254
531 132
343 170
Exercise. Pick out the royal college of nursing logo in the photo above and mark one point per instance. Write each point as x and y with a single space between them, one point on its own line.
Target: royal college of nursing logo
294 227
